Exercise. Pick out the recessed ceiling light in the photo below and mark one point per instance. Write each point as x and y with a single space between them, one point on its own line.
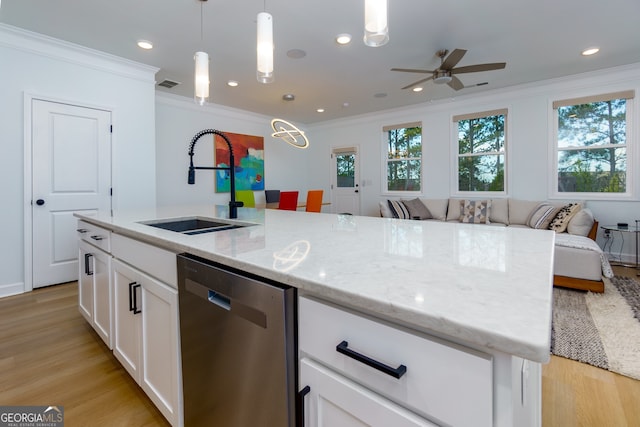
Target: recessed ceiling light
145 44
417 89
232 83
288 97
590 51
343 38
320 110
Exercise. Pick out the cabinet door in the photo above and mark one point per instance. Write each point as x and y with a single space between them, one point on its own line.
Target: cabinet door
126 318
85 280
160 377
333 400
102 296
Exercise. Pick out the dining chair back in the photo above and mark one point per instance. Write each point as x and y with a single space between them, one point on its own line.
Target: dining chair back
314 200
272 196
288 200
247 197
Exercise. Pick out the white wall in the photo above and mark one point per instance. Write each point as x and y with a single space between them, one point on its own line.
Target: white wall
529 134
178 119
41 66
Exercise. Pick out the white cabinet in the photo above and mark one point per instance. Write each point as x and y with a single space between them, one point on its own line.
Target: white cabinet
146 328
388 370
94 281
333 400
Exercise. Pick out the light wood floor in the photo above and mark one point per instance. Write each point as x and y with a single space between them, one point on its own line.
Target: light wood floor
576 394
49 355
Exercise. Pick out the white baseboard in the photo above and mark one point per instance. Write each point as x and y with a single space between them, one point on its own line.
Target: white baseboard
11 289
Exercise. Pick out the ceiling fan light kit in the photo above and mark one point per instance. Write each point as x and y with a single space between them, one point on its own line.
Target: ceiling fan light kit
444 74
264 71
376 30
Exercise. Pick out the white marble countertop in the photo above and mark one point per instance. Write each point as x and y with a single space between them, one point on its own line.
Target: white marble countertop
487 286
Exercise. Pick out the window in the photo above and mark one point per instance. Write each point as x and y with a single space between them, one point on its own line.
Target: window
403 157
591 145
481 141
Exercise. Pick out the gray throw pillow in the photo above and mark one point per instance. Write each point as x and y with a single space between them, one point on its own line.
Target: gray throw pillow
417 209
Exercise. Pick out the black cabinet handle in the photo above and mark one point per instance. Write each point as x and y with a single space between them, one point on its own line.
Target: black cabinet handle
133 299
87 270
96 237
394 372
39 202
301 394
136 310
82 230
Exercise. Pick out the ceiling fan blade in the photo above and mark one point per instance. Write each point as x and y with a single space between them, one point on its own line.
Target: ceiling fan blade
418 82
479 67
411 70
455 83
453 58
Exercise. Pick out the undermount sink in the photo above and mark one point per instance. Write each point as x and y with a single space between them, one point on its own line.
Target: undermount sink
193 225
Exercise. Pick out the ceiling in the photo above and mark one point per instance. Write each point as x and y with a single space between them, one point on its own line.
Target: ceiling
538 40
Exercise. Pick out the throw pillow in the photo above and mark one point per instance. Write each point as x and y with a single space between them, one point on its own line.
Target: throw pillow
561 220
475 212
542 216
417 209
398 209
581 223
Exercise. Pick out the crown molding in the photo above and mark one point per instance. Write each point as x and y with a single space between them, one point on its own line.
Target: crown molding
39 44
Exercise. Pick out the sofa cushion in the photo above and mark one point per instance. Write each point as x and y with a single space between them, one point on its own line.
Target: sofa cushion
417 209
499 211
475 211
519 210
561 221
581 223
542 216
454 211
437 207
398 209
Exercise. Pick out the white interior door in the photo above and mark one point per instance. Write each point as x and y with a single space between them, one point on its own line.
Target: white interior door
71 172
345 180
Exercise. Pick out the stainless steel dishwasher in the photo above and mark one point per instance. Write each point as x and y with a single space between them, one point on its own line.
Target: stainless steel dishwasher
238 343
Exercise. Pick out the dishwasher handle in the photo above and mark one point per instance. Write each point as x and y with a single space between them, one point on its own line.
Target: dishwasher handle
219 300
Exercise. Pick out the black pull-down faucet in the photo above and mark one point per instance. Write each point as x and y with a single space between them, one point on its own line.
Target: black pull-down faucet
233 205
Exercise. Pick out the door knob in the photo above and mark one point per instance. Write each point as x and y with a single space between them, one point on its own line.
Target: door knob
39 202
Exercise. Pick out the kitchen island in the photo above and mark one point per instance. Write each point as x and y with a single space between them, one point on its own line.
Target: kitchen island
486 291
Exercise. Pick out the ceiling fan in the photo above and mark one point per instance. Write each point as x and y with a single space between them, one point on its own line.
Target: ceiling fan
445 72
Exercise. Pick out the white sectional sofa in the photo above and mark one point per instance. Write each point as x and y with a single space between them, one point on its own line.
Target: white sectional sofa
579 262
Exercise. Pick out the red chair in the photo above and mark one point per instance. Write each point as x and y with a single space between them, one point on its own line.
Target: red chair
314 200
288 200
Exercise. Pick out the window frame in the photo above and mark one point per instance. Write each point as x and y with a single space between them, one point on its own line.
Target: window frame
553 192
455 154
385 160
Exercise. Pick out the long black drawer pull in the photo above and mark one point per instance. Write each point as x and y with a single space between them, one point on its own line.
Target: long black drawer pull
87 270
82 230
394 372
301 394
97 237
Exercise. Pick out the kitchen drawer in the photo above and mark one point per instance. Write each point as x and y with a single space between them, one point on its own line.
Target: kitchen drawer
97 236
153 260
445 382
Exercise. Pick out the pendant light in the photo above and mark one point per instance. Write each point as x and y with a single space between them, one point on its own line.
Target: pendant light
201 59
264 71
376 31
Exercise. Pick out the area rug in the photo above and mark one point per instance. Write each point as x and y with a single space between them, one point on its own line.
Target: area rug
602 330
